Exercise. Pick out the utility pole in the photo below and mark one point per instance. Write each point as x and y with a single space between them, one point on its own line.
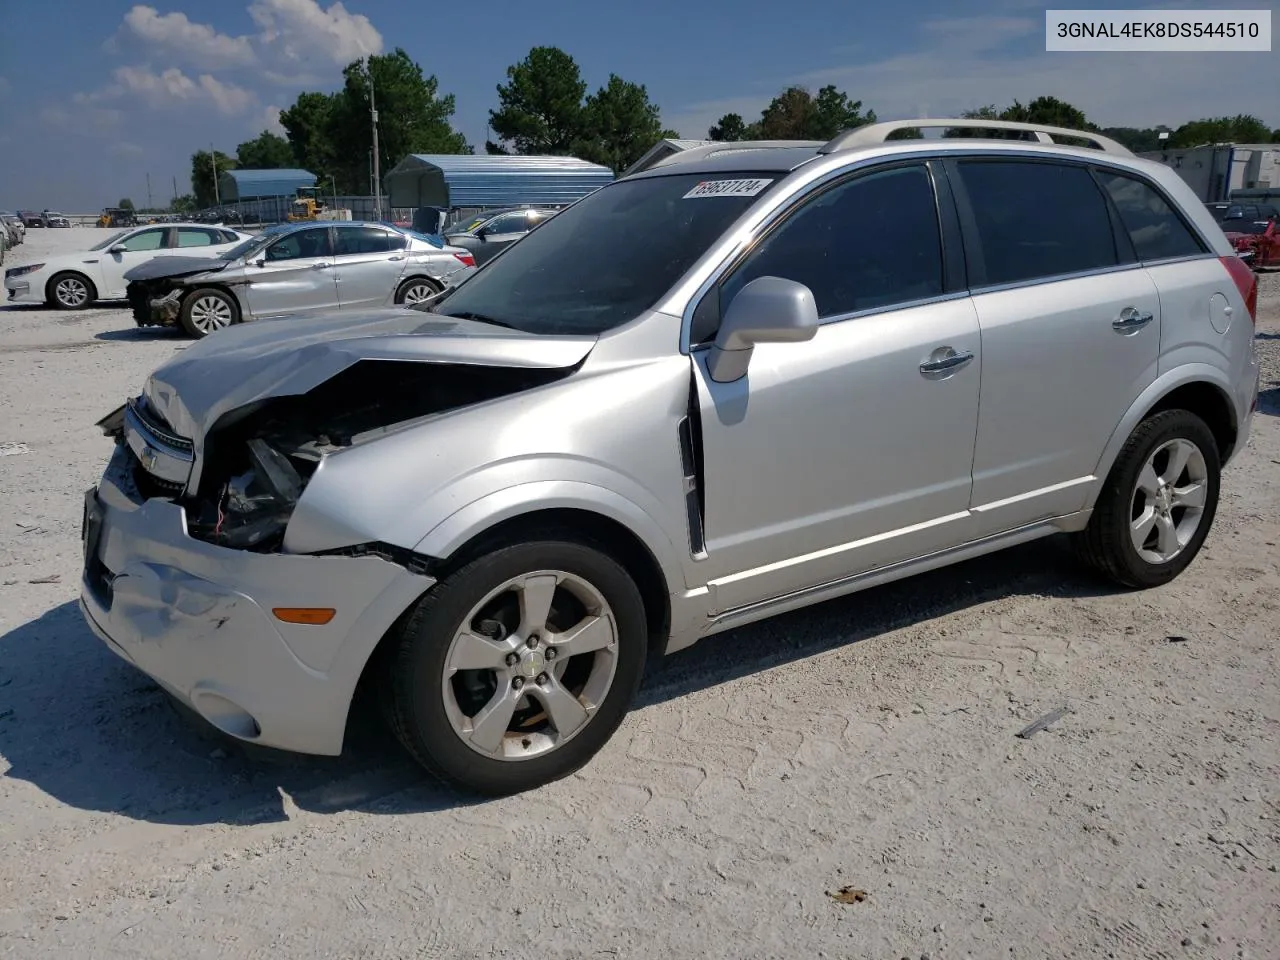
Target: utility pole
175 193
373 117
213 158
149 206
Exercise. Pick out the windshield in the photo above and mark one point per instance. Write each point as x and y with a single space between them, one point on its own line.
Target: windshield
1246 226
609 257
249 246
109 241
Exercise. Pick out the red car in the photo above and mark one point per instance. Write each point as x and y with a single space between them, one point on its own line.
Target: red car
1258 241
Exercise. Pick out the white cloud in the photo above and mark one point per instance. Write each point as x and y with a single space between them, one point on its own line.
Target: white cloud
168 89
80 117
969 62
300 31
196 42
271 121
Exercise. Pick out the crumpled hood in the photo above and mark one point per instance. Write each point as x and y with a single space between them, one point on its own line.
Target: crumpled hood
158 267
289 356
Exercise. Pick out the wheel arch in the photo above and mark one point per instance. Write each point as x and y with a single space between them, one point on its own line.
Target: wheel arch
417 275
1198 388
93 287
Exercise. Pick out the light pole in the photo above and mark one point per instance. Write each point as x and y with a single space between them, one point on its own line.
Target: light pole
373 119
213 159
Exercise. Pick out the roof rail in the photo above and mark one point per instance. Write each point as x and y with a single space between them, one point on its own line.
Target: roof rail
728 146
877 133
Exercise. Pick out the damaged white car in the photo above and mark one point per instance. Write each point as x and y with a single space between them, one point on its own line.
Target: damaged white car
292 270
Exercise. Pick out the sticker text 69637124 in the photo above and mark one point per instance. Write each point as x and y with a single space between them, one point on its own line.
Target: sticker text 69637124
727 188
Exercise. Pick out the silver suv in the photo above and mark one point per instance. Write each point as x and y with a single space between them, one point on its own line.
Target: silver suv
797 372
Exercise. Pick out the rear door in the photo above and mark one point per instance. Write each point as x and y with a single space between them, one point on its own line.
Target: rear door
139 247
367 263
294 275
1070 332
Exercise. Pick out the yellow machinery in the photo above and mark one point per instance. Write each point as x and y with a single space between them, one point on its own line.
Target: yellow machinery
308 205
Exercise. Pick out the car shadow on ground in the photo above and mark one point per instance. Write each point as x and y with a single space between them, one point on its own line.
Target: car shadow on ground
1269 401
84 727
137 334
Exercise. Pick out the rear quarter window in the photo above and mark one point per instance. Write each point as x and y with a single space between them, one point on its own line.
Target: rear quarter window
1157 230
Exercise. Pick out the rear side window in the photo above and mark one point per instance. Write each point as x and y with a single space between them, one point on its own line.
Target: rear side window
192 237
871 242
1155 228
355 240
1036 220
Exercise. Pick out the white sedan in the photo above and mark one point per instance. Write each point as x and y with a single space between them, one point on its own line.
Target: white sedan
75 280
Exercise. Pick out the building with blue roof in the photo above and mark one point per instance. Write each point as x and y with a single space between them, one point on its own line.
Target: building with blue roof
234 185
467 181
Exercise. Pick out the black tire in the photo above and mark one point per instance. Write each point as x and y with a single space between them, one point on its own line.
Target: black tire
58 293
403 291
1106 544
189 316
412 670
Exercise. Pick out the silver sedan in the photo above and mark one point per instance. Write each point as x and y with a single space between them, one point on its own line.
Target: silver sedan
293 270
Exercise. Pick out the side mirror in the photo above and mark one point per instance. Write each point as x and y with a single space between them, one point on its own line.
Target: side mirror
766 310
482 233
118 248
260 262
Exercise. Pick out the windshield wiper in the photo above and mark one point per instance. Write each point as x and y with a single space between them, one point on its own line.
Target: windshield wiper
480 318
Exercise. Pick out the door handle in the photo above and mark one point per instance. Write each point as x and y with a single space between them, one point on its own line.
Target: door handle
321 266
951 361
395 258
1130 320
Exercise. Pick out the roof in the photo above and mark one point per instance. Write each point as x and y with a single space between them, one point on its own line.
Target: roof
663 148
248 184
778 159
467 180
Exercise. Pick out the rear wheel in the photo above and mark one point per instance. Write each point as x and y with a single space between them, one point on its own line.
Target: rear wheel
207 310
1158 503
71 291
415 290
517 668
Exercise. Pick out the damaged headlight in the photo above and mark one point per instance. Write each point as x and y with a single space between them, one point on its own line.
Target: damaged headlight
254 506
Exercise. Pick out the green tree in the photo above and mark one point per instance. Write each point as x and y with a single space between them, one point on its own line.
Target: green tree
306 126
412 118
619 125
184 204
540 108
1242 128
125 204
202 168
266 151
730 127
1049 111
1139 140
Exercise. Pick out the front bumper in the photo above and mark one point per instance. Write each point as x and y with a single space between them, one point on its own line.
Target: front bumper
19 289
149 310
197 617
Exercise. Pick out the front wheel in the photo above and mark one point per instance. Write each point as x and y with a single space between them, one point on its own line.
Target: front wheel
71 291
516 669
1158 503
208 310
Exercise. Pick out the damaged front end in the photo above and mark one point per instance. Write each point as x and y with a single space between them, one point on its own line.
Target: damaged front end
155 288
256 460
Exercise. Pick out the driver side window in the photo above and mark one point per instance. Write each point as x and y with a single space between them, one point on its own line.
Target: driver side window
870 242
302 245
146 240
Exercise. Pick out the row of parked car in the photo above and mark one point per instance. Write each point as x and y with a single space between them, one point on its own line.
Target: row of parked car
206 277
1252 228
12 232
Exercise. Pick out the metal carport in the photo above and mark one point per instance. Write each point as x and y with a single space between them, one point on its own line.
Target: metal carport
467 181
236 185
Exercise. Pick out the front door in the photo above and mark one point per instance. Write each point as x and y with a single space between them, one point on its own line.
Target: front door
294 275
112 264
854 449
367 264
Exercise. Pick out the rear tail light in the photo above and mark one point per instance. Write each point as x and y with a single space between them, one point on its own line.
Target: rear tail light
1246 282
466 259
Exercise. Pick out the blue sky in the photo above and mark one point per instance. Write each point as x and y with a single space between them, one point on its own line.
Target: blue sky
93 97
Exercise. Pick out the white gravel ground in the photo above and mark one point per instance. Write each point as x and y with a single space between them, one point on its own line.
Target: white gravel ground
868 743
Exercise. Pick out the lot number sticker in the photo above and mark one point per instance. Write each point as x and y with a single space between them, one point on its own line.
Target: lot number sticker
727 188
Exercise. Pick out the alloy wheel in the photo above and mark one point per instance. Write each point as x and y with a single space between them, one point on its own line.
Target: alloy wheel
528 667
71 292
210 313
1168 500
